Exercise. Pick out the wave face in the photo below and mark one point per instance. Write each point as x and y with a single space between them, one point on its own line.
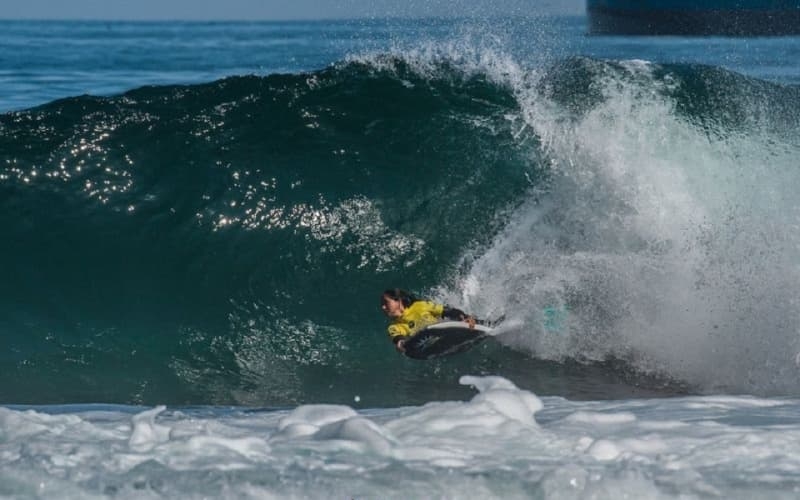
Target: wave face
227 243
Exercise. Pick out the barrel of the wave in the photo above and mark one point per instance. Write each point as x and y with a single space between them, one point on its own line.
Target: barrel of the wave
688 17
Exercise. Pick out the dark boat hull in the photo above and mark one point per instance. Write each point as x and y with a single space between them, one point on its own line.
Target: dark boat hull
605 18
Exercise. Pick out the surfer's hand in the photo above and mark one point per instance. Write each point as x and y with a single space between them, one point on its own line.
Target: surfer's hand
400 345
471 322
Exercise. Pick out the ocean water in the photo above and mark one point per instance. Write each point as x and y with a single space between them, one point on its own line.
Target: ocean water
198 220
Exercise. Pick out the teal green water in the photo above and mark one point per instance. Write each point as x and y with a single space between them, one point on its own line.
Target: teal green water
161 236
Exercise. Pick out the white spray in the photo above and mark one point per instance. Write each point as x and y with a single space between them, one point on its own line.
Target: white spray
656 241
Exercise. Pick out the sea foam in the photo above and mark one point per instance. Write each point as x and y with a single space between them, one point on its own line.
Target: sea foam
502 442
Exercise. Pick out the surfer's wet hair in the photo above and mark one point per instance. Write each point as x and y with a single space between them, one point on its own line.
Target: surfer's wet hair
403 296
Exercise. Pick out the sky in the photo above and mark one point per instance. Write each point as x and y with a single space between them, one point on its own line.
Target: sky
276 9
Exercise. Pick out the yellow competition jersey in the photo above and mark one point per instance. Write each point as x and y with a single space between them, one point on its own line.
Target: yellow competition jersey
415 317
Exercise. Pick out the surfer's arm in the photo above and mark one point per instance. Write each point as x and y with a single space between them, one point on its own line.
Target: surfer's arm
398 332
453 314
458 315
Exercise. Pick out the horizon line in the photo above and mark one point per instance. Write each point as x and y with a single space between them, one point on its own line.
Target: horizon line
277 19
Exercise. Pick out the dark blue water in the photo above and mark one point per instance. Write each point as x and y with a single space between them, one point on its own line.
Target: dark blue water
43 61
205 213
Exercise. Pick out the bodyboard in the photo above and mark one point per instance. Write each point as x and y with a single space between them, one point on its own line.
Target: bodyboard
444 339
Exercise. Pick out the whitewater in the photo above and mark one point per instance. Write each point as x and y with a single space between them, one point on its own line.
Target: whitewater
502 443
194 251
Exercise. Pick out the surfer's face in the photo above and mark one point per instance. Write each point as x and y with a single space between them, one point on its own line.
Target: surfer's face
391 307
